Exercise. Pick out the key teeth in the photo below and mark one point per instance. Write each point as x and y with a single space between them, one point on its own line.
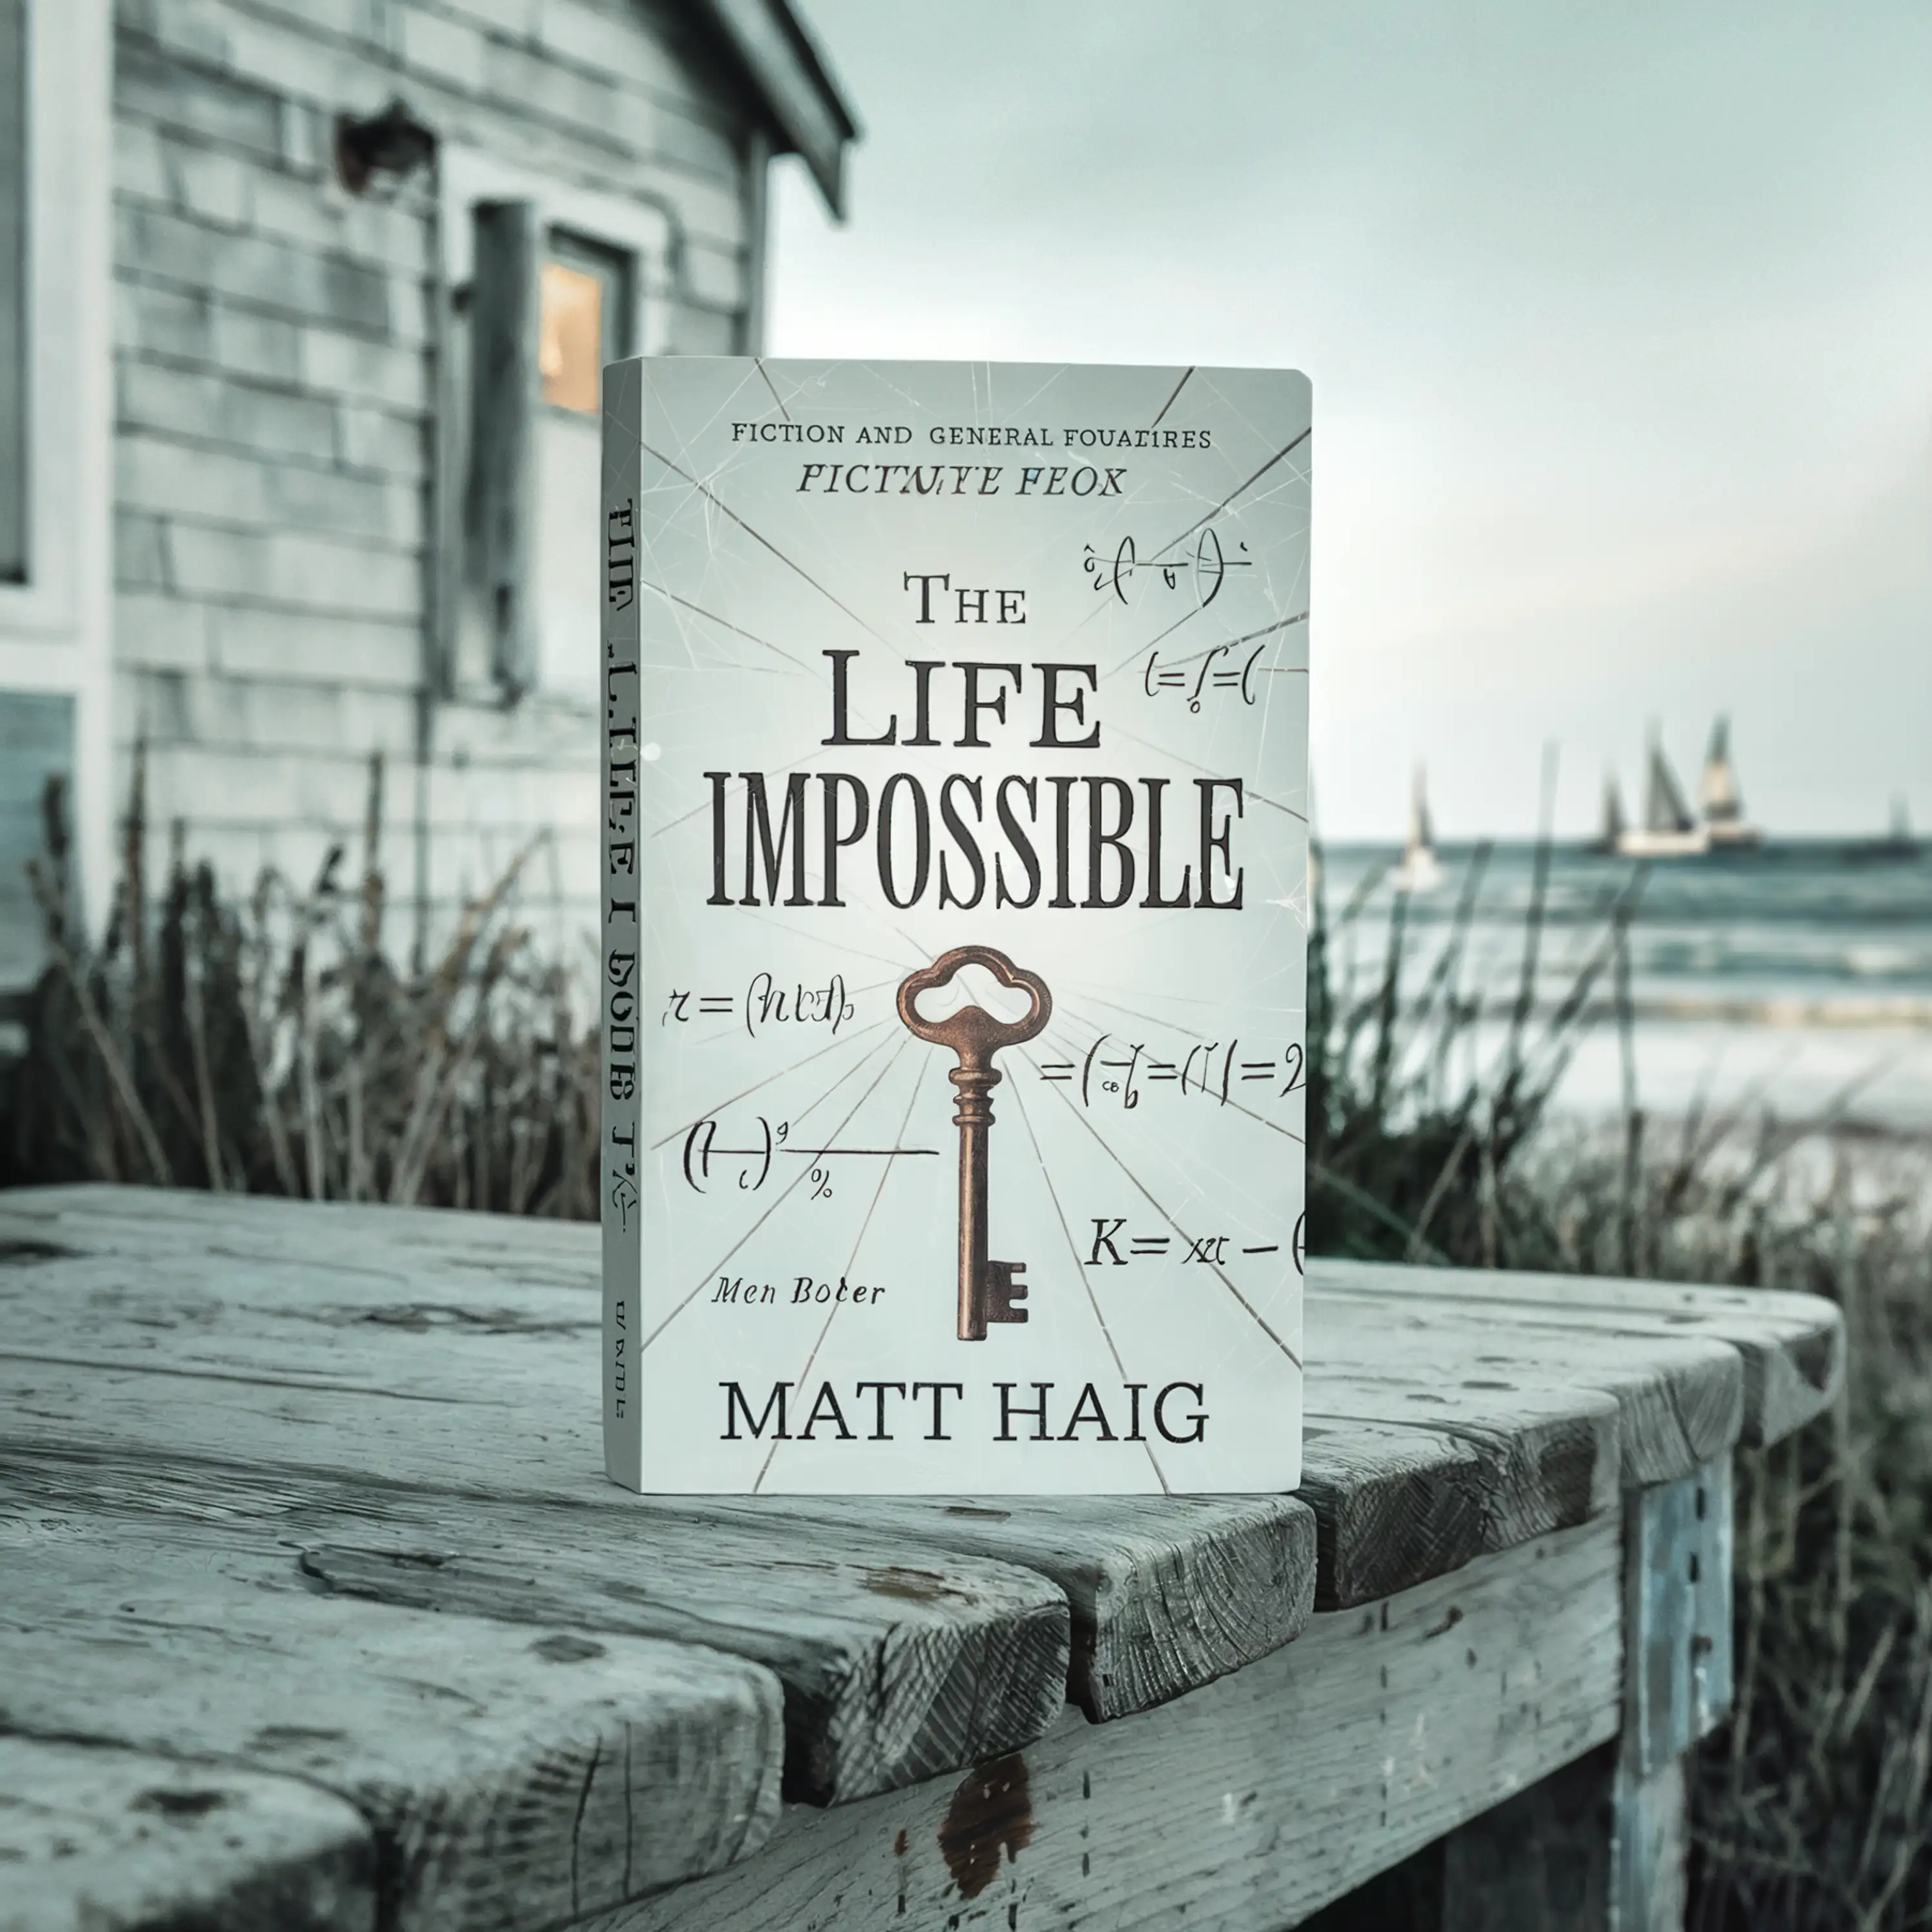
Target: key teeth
1003 1290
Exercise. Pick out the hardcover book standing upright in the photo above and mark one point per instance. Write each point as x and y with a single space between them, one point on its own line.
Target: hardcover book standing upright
955 870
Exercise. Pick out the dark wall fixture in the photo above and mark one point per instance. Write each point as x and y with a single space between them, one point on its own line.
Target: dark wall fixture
392 143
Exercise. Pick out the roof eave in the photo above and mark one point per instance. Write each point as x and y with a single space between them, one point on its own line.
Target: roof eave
809 113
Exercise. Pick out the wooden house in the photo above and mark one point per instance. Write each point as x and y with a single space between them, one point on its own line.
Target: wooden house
302 304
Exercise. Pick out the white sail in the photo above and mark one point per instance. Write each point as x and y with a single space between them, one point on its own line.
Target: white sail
1664 807
1723 802
1420 871
1718 792
1421 835
1668 830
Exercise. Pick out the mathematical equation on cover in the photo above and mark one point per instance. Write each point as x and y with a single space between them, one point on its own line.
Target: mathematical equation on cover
764 1003
708 1161
1205 569
1119 1072
1115 1244
1217 670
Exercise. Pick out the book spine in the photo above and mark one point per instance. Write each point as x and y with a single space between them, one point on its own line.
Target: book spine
621 1197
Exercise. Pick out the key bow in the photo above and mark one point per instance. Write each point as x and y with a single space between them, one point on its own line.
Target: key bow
973 1031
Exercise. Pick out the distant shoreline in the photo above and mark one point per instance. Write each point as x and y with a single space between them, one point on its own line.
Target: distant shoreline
1806 845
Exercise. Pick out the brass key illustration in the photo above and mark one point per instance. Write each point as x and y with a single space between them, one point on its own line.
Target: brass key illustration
988 1291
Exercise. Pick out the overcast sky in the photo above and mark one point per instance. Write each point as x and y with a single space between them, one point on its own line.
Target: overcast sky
1619 320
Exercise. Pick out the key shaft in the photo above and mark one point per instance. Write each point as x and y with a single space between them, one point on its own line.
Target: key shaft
988 1290
974 1120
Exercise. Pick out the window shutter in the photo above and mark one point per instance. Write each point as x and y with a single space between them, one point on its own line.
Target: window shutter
14 189
504 387
36 745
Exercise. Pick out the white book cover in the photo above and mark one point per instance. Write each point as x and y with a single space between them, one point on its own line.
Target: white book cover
955 868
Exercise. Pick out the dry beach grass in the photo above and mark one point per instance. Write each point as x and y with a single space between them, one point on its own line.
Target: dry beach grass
274 1046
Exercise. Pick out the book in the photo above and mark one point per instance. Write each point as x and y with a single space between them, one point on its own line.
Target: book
955 876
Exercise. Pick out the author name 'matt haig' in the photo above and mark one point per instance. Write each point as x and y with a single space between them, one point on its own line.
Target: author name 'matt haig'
931 1411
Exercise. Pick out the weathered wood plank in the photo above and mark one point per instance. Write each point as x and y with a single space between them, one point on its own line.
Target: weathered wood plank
937 1694
1545 1458
896 1665
1393 1506
1680 1399
1677 1617
1249 1803
1166 1594
94 1839
400 1245
472 1308
510 1414
1650 1848
1162 1601
1541 1461
1792 1345
511 1778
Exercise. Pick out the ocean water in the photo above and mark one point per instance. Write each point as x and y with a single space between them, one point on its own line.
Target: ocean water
1797 978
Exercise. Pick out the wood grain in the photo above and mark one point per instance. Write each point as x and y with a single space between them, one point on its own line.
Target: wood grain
1545 1457
415 1306
481 1390
1394 1505
896 1665
1680 1398
1167 1593
203 1393
1792 1346
1407 1477
94 1839
511 1778
1241 1807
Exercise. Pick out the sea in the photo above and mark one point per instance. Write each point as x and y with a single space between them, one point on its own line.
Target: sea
1792 980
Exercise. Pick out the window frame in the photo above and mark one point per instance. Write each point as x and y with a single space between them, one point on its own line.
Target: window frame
643 231
617 271
56 627
16 238
68 163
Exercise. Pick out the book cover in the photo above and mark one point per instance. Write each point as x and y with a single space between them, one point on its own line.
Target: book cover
955 871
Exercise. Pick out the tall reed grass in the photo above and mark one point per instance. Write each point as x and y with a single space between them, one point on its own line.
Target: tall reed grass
1813 1807
274 1045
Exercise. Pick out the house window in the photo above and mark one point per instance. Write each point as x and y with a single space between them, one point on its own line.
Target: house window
13 426
584 320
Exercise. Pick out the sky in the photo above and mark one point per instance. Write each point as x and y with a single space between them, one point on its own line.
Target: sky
1619 320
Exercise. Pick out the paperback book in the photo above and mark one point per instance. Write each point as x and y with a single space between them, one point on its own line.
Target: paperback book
955 876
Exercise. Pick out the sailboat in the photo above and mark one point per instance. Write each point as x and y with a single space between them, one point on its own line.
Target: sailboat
1420 871
1898 843
1668 830
1724 821
1615 825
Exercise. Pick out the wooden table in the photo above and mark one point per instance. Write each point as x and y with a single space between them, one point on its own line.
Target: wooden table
316 1611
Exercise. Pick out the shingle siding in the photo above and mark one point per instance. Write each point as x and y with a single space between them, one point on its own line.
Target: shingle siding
275 386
